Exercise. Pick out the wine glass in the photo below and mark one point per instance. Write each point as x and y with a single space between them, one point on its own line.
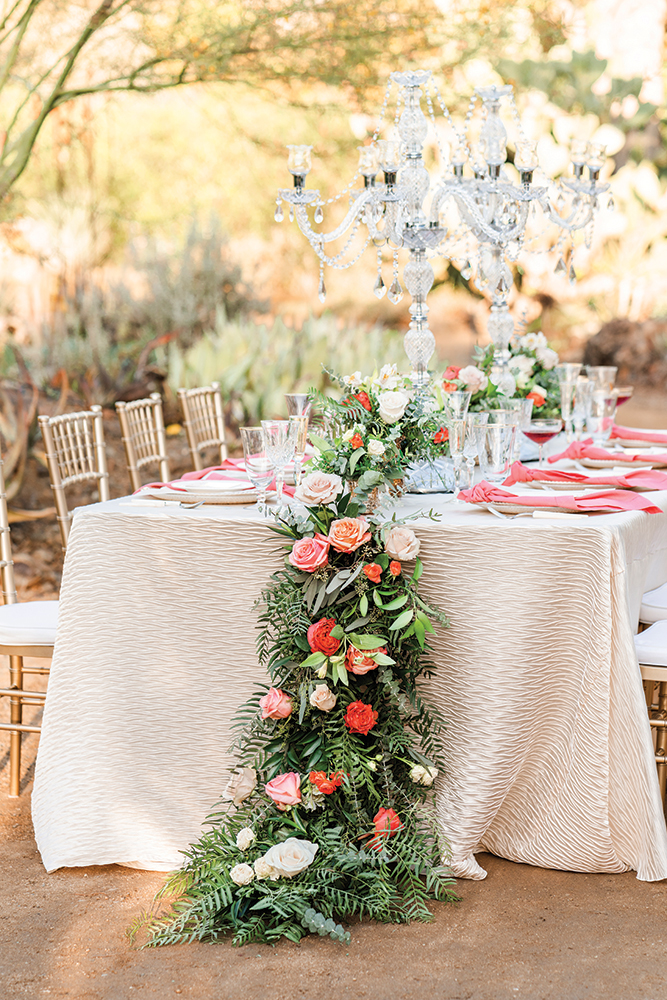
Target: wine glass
623 393
567 371
603 376
280 444
299 405
300 424
567 390
456 403
257 465
541 431
474 439
457 434
581 404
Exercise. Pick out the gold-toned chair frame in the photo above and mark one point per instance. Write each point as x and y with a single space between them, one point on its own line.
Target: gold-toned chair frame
75 451
17 694
142 427
204 421
656 677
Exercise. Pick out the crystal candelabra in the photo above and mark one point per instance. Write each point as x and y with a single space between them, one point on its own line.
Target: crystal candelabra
479 221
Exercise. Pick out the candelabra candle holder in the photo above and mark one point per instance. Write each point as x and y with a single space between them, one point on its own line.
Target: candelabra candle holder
406 212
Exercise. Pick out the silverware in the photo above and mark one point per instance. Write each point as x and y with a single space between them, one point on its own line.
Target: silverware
508 517
191 506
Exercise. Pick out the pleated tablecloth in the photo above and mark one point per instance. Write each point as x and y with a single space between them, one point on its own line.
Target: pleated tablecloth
548 749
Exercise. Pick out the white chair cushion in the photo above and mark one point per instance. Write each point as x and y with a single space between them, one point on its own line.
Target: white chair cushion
30 624
654 605
651 645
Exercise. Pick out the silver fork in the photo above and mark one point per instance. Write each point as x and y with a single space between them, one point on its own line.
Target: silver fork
191 506
508 517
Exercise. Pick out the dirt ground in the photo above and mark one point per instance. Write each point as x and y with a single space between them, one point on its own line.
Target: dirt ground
523 932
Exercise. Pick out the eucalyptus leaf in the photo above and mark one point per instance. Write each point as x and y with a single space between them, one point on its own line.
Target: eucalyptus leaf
377 600
402 620
367 641
303 703
420 632
397 603
383 659
357 623
426 621
363 604
419 569
354 458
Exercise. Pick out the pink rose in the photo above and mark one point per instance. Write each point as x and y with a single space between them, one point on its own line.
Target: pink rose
348 534
361 663
275 704
285 790
308 554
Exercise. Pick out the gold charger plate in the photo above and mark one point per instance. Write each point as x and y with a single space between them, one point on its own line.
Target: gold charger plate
190 497
528 508
599 463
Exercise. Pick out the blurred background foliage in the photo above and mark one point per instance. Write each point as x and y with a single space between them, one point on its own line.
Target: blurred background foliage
138 244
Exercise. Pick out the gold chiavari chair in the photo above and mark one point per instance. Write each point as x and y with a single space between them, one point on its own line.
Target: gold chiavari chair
26 629
75 452
142 426
204 421
651 646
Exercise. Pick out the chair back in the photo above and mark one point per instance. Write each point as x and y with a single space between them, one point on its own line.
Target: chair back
142 426
6 563
75 451
204 421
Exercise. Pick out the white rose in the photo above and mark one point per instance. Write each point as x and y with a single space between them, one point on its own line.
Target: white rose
532 341
473 378
291 857
388 377
323 698
522 368
241 785
244 838
264 870
547 357
242 874
349 434
402 544
322 672
539 390
319 488
392 405
353 381
375 448
423 775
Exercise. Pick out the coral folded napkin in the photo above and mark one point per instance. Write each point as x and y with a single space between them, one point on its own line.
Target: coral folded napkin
645 479
586 449
611 500
635 434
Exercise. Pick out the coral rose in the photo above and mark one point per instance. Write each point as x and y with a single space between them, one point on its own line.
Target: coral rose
360 718
395 567
323 698
285 790
308 554
387 822
324 784
361 663
441 435
319 488
241 785
451 372
364 399
402 544
275 704
449 386
320 639
537 399
347 534
357 441
373 571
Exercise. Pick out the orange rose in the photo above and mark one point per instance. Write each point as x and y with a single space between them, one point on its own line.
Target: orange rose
324 784
373 571
364 399
537 399
395 567
441 435
357 441
449 386
361 663
387 822
360 718
348 534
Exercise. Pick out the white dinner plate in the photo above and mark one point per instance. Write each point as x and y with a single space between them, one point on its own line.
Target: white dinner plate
599 463
214 485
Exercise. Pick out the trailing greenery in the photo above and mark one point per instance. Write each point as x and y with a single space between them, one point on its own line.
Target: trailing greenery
329 815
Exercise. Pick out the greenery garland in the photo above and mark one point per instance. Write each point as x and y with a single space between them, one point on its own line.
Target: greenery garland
329 814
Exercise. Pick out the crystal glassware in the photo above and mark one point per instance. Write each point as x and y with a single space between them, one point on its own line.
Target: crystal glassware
603 376
567 391
280 443
541 431
457 435
623 393
301 432
299 405
567 371
257 465
498 445
601 415
581 406
457 403
520 412
474 441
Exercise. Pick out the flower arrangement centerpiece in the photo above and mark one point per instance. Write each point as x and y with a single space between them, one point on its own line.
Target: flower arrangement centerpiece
377 429
328 814
532 364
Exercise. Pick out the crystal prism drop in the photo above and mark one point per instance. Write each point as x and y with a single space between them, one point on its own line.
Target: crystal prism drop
560 200
319 214
321 291
279 213
395 293
572 275
379 288
291 214
466 270
610 204
560 267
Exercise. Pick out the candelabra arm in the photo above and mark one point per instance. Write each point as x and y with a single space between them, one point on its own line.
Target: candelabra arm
570 223
303 221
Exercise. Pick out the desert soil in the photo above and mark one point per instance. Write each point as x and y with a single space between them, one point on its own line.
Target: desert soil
523 932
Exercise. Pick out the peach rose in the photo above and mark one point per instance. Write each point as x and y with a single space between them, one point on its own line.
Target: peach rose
308 554
361 663
275 704
323 698
319 488
285 790
402 544
241 785
349 533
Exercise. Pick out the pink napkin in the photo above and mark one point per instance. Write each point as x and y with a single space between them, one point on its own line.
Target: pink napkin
647 479
586 449
611 500
633 434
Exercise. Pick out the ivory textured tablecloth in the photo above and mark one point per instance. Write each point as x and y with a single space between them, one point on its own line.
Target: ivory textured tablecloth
548 746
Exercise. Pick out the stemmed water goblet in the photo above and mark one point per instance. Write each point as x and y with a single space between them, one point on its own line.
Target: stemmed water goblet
457 403
541 431
300 425
603 376
581 404
280 443
257 465
299 405
497 445
474 441
457 434
567 391
601 415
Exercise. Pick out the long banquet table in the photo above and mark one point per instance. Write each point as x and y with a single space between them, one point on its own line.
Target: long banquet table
548 747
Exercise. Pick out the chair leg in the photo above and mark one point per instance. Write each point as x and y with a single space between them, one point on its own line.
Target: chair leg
661 740
16 715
